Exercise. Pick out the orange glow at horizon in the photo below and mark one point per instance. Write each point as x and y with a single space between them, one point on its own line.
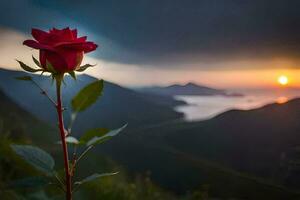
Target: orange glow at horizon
281 100
255 78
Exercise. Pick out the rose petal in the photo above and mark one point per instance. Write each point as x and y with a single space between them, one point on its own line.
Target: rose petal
62 35
82 39
39 35
74 32
57 60
55 31
80 46
65 34
73 58
34 44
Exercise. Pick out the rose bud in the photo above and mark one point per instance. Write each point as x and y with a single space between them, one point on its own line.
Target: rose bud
60 50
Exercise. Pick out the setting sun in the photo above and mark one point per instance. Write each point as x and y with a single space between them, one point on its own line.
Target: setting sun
283 80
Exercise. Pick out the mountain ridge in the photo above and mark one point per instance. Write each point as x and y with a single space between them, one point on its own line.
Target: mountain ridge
186 89
118 103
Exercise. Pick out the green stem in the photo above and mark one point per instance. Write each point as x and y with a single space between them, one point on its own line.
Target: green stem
84 153
76 160
59 109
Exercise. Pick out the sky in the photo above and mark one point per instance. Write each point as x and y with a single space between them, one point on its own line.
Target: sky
220 43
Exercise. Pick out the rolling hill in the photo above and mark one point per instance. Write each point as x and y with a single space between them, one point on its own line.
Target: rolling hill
263 142
258 141
17 123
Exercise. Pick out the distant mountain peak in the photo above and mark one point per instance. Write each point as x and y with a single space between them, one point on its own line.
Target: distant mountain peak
189 88
191 84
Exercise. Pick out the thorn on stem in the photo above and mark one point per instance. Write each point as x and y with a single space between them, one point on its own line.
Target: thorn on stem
66 133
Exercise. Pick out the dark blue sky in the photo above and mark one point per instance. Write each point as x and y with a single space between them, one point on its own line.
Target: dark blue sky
164 32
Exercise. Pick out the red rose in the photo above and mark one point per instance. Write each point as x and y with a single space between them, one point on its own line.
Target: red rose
61 48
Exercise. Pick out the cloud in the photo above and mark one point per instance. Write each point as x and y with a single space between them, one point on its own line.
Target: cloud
172 34
176 31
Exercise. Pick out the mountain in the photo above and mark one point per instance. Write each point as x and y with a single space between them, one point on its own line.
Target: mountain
19 123
263 142
187 89
243 154
19 126
238 154
256 141
116 107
